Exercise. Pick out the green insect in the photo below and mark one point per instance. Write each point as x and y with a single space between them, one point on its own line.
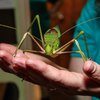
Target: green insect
51 40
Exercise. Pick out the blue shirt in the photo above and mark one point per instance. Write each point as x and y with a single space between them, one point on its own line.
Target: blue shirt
92 32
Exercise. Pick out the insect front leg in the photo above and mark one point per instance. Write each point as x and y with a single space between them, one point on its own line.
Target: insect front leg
65 46
78 51
22 40
62 49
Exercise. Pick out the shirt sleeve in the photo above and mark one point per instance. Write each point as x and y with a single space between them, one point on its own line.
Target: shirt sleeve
86 24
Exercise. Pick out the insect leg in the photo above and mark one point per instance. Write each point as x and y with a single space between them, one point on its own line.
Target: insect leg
40 29
33 51
22 40
80 52
65 46
6 26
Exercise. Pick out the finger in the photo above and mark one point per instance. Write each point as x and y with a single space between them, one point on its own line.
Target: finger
43 68
41 58
47 75
22 72
19 60
5 61
10 49
92 69
7 47
36 73
55 75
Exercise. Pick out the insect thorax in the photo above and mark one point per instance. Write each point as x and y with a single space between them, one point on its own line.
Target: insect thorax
51 43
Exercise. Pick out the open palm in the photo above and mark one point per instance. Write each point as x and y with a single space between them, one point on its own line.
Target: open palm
40 70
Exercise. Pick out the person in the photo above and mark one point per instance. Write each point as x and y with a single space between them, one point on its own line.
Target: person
91 30
40 70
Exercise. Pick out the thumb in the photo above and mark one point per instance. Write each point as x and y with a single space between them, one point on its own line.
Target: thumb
92 69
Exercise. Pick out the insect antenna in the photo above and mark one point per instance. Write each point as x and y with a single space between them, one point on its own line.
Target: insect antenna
89 20
6 26
13 28
70 42
86 46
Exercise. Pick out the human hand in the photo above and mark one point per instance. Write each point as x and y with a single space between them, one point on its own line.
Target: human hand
40 70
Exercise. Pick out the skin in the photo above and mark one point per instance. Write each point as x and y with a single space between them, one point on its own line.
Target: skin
40 70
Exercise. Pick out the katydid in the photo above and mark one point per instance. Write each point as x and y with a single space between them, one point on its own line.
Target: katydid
51 40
